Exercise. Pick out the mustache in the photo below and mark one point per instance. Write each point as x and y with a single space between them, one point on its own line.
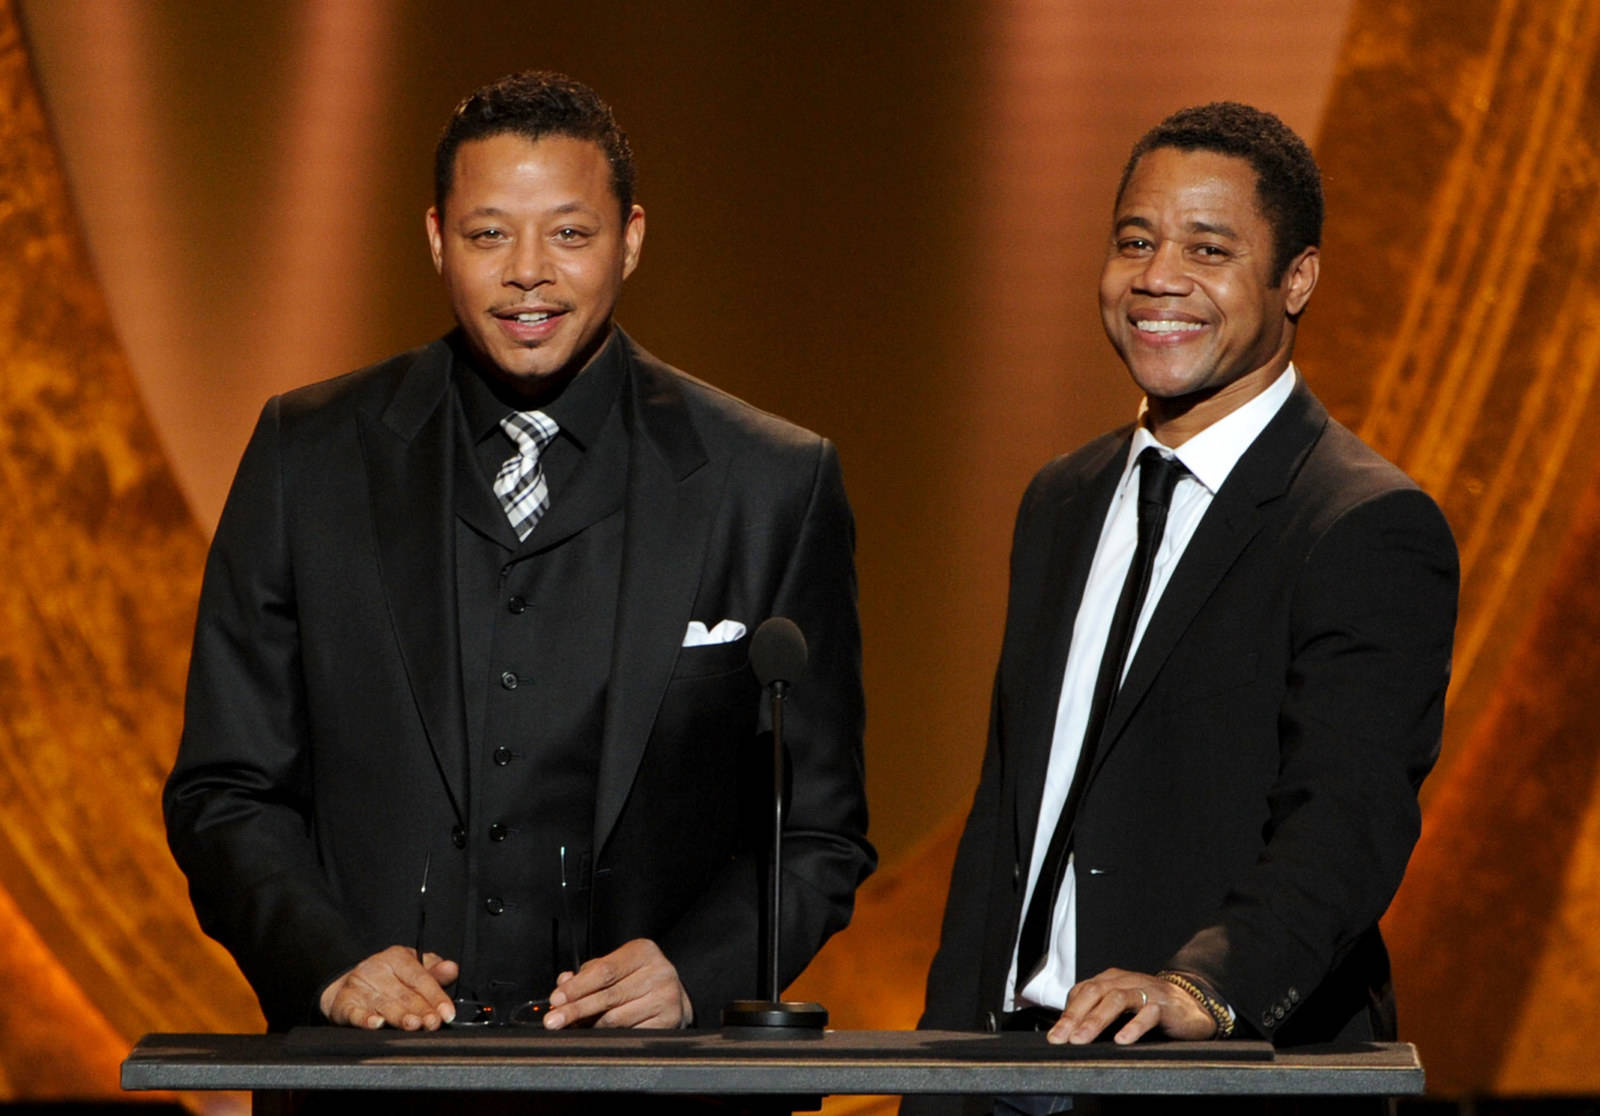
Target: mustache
508 309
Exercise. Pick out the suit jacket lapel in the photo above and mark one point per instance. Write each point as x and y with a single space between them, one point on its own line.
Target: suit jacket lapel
672 494
1263 474
409 450
1075 534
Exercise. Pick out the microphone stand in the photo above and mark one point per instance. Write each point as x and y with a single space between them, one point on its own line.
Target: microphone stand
775 877
772 1017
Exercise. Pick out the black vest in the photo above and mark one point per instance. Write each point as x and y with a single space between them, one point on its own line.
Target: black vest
537 622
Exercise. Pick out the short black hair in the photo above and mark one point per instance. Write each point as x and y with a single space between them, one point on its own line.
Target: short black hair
535 104
1288 183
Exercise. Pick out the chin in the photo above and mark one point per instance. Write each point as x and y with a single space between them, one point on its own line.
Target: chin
528 365
1168 386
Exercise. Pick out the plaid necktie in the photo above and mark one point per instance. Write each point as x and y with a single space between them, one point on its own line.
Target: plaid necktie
520 483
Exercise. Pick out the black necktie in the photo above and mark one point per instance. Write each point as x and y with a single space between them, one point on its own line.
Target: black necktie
1158 476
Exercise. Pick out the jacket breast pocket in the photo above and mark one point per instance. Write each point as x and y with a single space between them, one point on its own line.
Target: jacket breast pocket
711 659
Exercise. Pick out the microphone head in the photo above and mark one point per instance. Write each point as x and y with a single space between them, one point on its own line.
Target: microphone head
778 651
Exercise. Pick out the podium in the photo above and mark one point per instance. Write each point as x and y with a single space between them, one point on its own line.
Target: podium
788 1073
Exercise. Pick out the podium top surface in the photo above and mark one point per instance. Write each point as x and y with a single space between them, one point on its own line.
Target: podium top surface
709 1062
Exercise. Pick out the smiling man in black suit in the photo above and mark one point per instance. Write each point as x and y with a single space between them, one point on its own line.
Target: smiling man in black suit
1225 656
479 615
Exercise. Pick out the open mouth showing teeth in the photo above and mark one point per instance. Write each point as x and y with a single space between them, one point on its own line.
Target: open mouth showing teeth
533 318
1168 327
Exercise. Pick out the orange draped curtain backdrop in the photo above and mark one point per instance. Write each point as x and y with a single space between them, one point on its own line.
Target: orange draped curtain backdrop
886 224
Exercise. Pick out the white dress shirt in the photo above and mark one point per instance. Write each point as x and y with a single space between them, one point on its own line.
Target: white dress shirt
1209 456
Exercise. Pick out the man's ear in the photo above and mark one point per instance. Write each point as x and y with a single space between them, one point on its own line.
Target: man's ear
633 240
435 238
1300 278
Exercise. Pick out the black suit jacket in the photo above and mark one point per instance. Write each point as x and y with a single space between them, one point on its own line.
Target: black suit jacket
1253 801
325 748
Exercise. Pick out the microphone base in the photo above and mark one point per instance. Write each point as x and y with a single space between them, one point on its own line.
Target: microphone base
774 1019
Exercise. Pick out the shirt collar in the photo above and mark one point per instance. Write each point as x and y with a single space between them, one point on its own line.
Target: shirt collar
1211 454
580 410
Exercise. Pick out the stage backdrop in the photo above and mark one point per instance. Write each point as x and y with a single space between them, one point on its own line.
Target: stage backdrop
884 221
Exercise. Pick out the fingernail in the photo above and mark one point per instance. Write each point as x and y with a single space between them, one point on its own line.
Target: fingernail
554 1021
447 1011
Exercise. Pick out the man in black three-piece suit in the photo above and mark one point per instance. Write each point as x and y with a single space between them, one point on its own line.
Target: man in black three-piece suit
479 616
1205 850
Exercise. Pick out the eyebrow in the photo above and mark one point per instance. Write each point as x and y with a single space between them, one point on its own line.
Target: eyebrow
1207 228
572 207
559 211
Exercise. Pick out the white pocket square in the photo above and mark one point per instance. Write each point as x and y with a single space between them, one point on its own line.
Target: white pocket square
724 631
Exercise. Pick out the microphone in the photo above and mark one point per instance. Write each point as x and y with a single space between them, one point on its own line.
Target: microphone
778 652
778 658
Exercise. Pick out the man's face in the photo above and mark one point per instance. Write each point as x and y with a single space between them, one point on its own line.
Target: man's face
1188 295
533 251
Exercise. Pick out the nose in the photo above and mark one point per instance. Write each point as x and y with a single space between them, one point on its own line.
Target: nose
1163 272
527 265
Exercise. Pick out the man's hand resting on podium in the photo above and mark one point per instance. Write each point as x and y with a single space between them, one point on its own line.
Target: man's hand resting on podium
393 987
632 986
1096 1003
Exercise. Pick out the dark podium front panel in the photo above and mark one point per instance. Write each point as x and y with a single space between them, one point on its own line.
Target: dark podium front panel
712 1063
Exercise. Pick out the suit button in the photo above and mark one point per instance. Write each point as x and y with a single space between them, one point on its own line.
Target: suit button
508 680
1294 995
494 905
991 1022
502 757
498 832
458 837
517 605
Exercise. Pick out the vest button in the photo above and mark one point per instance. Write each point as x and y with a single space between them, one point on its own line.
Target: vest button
458 837
517 605
494 905
502 757
498 832
508 680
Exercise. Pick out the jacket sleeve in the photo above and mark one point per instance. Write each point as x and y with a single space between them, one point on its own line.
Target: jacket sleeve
981 910
1371 626
237 800
826 852
955 995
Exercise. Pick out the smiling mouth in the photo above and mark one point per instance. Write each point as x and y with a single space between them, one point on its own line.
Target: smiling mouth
1167 326
532 317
